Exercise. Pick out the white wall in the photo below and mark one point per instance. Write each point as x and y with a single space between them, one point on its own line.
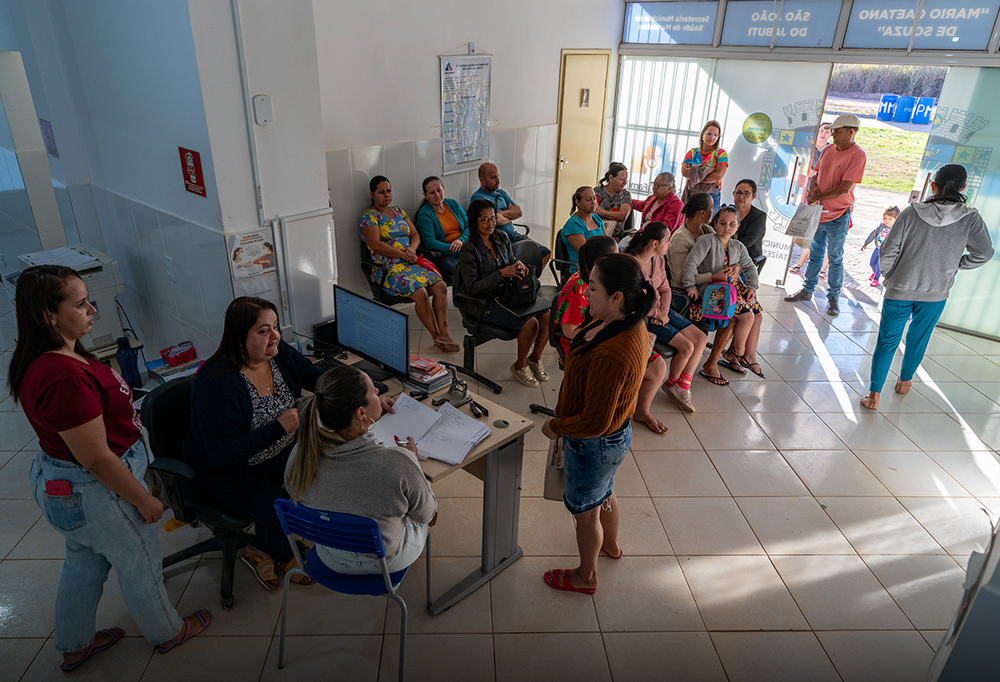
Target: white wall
279 42
378 60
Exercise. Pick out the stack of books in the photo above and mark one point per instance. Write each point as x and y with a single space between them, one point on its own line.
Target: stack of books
428 375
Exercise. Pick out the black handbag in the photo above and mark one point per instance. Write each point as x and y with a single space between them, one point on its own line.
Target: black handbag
520 292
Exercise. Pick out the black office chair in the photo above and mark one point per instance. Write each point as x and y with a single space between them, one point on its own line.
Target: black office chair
166 415
478 332
560 265
378 292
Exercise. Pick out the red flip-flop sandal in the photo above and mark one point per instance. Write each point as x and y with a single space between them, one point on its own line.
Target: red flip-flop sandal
559 579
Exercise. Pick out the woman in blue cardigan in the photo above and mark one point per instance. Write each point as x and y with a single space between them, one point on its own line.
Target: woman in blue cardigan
243 422
442 224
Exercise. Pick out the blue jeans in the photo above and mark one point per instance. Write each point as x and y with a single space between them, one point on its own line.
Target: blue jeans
895 313
353 563
591 464
103 530
716 200
831 233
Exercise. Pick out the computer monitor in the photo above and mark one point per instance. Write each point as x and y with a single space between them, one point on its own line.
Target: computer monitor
374 332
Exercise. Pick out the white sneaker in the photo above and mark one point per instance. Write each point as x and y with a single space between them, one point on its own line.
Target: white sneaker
538 370
525 376
681 396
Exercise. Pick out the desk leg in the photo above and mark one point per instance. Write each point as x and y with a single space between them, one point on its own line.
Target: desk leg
501 510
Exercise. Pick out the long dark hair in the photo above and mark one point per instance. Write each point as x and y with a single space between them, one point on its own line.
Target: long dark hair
620 272
423 189
697 202
475 210
41 289
375 182
241 316
576 197
950 181
614 169
655 231
591 250
338 394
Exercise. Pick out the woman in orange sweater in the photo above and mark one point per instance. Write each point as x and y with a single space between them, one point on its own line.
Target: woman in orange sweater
604 370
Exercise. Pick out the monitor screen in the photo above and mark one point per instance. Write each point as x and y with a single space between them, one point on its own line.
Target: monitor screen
373 331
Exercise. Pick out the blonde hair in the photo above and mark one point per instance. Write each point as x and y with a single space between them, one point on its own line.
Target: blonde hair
338 394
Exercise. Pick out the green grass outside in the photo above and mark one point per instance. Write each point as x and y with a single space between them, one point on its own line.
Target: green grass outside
893 157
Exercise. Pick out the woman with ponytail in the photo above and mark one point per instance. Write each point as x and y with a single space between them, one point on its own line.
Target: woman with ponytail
928 245
338 465
583 223
604 370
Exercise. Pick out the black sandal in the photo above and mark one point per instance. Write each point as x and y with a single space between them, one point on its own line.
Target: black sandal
731 365
750 366
718 381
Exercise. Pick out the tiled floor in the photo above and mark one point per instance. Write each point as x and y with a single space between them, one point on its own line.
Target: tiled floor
776 534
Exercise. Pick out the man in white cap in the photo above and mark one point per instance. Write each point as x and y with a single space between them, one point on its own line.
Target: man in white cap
841 166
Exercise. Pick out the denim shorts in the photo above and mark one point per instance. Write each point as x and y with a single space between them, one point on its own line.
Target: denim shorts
676 323
591 464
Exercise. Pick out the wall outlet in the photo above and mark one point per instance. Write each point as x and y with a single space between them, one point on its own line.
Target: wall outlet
169 262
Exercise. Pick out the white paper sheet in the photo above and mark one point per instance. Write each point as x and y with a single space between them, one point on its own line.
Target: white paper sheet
410 418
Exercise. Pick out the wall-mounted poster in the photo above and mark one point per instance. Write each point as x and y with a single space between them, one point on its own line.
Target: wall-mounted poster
465 111
251 254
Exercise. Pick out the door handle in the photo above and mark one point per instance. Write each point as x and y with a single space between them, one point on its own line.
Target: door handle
562 161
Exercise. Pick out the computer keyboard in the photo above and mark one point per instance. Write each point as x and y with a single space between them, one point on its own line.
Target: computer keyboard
330 361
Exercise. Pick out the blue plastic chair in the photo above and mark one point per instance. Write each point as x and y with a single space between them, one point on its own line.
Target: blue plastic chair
344 532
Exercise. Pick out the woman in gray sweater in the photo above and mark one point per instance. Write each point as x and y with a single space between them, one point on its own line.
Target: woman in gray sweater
919 258
338 466
718 255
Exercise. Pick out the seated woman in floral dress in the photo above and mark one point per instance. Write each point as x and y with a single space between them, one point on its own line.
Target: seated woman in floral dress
393 240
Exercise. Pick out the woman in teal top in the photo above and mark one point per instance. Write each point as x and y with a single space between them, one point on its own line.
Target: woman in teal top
442 224
582 224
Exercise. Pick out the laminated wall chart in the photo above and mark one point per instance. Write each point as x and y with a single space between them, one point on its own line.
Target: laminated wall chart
465 111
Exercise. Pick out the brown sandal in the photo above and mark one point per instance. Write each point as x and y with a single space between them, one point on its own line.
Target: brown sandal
298 578
903 386
263 570
870 402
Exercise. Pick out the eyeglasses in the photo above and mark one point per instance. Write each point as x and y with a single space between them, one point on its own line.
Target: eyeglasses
661 184
741 193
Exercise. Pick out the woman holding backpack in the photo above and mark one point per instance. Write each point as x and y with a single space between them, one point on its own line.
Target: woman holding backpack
717 254
485 263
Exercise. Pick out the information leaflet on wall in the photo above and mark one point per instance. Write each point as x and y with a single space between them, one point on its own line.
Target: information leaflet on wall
942 25
253 265
671 23
802 23
465 111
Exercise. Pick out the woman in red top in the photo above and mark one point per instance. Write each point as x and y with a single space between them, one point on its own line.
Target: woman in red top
663 205
87 476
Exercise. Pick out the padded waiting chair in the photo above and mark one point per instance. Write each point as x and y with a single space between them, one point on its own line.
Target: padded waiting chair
348 533
528 253
378 292
560 265
477 331
166 416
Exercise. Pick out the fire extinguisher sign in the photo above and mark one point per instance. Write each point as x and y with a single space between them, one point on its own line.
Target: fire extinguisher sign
194 181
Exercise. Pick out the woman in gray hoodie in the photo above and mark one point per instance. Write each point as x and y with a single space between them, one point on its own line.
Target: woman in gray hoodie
929 243
339 466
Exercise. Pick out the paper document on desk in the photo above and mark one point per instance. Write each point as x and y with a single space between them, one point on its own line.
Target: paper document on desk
446 434
453 435
409 418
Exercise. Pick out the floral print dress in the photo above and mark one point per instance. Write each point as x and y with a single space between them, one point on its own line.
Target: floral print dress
398 277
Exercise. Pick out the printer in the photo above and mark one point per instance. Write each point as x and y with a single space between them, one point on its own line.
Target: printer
103 279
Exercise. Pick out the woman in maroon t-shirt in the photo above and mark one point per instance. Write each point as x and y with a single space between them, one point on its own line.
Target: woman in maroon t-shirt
87 476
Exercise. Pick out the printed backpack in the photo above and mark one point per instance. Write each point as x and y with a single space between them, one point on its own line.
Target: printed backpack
718 302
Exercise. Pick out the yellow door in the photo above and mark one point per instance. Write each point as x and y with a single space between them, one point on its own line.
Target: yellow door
582 99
